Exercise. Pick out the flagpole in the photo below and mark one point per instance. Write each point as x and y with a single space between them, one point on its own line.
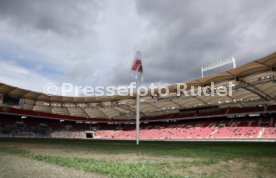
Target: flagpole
137 112
138 68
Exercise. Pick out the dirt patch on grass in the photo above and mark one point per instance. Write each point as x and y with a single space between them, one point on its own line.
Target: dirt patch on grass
17 166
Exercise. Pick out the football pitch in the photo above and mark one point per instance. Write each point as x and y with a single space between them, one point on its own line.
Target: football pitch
29 157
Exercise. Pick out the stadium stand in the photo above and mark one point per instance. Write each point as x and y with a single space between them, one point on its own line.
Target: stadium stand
227 128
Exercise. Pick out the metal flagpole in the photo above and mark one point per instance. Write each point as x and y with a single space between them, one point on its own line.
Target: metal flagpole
137 67
137 111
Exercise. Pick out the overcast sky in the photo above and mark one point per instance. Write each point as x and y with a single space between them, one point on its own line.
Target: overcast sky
94 42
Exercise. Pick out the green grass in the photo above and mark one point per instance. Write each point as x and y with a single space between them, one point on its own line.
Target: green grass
207 154
109 167
187 149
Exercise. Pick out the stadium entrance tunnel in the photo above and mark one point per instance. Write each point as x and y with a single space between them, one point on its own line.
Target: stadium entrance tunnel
89 135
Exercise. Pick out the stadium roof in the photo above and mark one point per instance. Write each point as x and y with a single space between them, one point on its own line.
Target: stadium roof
259 65
264 91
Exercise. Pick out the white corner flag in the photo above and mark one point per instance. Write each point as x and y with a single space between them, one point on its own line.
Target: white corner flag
138 69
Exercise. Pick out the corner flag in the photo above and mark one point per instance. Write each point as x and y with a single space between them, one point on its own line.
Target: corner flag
137 66
138 69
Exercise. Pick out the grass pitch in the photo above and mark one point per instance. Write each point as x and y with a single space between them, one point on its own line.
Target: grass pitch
95 158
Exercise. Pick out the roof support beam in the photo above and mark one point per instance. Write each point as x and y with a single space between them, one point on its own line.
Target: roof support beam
233 100
103 113
132 110
121 113
153 105
83 110
200 100
175 103
255 90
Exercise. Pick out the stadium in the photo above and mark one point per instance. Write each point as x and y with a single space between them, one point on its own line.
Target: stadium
249 114
222 124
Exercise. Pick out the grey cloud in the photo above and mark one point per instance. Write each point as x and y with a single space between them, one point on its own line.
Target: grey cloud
179 36
66 17
191 33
